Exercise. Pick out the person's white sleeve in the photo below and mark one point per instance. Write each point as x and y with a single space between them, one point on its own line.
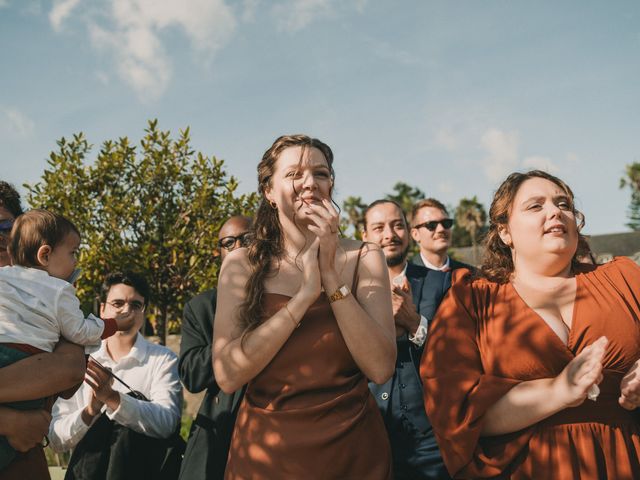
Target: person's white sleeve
421 333
159 417
67 428
73 326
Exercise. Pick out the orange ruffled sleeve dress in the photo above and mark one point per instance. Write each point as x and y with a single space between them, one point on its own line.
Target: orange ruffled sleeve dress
485 340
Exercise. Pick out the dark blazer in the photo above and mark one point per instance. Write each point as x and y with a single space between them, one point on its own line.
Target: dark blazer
208 445
400 399
453 264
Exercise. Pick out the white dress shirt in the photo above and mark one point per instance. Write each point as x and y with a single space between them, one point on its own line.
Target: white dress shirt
149 368
443 268
37 309
420 335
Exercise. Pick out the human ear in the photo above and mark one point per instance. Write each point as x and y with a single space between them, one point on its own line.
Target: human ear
505 236
43 254
415 235
101 310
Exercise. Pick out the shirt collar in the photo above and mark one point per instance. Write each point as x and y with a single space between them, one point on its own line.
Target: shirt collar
401 275
137 353
430 265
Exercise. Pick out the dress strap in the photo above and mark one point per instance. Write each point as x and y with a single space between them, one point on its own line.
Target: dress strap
354 283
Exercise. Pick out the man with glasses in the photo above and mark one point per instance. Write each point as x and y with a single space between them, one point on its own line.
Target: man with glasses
431 229
210 436
113 429
416 293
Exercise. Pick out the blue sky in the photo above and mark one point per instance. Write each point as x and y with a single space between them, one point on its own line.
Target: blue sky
448 96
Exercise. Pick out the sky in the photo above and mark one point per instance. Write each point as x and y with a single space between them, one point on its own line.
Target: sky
447 96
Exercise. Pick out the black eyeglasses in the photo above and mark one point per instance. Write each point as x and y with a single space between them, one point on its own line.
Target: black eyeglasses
446 223
229 243
134 305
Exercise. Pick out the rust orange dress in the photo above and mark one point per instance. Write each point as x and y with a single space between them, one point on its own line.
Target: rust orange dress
485 340
309 413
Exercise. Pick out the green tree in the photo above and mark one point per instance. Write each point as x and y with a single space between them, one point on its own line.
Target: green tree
471 217
354 208
406 196
632 180
155 209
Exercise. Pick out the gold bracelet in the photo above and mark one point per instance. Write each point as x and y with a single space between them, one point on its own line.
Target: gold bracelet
286 307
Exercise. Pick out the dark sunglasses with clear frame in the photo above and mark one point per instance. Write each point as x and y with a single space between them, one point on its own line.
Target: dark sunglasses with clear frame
134 305
229 243
446 223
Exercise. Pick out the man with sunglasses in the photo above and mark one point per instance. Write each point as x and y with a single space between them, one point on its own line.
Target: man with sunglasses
416 293
208 445
116 431
431 229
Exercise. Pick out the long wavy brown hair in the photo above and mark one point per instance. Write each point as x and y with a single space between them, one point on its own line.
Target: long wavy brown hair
268 244
497 264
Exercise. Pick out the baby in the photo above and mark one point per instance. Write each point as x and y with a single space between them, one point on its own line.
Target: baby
38 305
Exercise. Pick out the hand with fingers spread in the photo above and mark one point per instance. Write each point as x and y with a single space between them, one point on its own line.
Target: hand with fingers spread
630 388
581 374
406 316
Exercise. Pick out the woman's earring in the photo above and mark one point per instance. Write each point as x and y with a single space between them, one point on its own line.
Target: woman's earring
274 205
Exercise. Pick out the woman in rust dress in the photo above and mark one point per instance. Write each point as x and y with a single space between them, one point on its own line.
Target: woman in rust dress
531 371
304 318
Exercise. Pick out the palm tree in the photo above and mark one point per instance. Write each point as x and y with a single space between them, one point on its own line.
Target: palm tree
406 196
354 208
471 216
632 180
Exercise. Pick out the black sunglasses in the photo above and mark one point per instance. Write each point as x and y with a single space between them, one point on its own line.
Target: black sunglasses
229 243
446 223
5 227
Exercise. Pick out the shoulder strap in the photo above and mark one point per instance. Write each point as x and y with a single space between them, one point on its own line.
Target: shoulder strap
354 283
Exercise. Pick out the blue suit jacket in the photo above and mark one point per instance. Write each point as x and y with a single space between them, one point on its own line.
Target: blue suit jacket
400 399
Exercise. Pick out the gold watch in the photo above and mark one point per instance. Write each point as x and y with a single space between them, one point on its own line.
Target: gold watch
339 294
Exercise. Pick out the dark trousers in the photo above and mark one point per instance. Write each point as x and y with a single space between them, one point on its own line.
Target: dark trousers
110 451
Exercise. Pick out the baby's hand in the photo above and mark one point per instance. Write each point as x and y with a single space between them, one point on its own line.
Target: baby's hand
125 320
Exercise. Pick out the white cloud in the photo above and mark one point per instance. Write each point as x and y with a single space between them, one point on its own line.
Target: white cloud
131 34
502 153
445 138
60 11
294 15
15 123
538 162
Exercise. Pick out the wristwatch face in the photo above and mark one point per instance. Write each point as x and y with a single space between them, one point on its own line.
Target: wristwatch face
339 294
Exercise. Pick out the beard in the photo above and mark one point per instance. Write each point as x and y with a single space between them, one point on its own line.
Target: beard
397 258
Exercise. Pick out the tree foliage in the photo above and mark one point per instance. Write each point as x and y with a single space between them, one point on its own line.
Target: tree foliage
470 219
406 196
632 180
354 208
155 208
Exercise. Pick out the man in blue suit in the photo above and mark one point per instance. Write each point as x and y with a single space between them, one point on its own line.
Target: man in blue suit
416 292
